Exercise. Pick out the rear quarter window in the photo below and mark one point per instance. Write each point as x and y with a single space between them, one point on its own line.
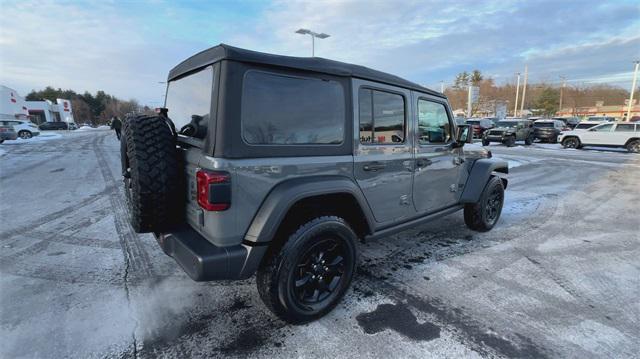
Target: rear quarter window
289 110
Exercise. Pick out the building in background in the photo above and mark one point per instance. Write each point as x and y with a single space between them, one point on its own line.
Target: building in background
14 106
617 111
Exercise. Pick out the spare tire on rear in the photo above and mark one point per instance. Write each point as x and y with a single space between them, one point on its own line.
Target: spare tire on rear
151 173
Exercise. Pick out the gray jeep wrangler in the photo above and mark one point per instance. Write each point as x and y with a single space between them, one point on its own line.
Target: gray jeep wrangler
278 165
509 131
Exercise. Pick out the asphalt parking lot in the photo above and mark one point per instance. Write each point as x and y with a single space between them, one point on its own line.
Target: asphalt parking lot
558 277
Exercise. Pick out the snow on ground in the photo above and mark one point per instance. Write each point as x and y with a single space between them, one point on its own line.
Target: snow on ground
89 128
42 137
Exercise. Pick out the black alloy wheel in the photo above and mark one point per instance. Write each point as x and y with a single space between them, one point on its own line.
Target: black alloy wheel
319 272
571 142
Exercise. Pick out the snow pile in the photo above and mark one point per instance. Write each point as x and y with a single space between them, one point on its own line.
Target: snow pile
40 138
89 128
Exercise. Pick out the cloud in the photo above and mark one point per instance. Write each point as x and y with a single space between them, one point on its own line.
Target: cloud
125 48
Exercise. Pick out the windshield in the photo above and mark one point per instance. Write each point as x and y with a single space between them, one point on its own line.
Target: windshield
190 96
543 124
507 124
474 122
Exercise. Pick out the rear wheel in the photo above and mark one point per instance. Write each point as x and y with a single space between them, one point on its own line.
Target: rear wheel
484 214
529 140
485 142
151 173
311 273
633 146
571 142
25 134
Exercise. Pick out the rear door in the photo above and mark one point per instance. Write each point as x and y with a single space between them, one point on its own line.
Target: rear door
437 181
383 160
622 132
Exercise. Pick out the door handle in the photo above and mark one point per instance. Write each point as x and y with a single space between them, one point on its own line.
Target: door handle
423 162
374 166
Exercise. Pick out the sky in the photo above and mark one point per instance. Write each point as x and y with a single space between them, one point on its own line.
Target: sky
127 48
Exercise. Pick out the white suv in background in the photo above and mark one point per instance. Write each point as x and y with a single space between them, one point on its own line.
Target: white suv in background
24 129
608 134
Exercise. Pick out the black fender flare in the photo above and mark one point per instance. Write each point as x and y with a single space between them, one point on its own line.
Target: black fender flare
284 195
479 175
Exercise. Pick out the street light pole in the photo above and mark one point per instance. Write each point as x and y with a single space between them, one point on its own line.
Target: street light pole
524 88
515 106
633 88
313 38
441 86
564 82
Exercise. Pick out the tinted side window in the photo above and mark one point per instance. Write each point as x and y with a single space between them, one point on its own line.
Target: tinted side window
286 110
624 127
433 123
382 119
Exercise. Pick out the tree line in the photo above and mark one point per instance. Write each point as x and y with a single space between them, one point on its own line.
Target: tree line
541 98
96 109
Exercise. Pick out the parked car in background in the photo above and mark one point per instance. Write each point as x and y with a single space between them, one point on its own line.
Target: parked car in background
24 129
479 125
494 120
610 134
634 119
508 131
7 133
459 120
570 122
547 130
58 125
585 125
601 119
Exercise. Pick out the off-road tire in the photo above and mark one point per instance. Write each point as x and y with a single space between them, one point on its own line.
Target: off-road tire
476 214
276 276
24 134
152 173
633 146
510 141
486 142
529 140
571 142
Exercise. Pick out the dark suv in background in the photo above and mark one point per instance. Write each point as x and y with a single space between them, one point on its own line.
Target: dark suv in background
278 165
548 130
479 125
58 125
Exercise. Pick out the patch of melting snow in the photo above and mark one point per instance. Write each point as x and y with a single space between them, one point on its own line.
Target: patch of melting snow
40 138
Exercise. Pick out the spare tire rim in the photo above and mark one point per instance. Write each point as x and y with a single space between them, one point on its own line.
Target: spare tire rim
320 273
494 205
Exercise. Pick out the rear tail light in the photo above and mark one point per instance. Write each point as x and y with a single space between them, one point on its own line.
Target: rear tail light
214 190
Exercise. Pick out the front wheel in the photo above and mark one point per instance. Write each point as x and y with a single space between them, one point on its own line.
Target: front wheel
484 214
571 142
25 135
311 273
634 146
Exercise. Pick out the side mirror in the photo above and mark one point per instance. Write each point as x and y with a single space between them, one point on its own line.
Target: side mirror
463 135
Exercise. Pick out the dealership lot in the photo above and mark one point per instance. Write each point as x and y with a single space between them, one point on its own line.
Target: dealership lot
559 276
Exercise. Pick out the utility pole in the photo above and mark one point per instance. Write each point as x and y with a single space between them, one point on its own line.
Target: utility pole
515 106
564 83
524 88
633 88
441 86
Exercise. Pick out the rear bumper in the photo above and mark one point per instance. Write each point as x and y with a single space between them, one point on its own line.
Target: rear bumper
203 261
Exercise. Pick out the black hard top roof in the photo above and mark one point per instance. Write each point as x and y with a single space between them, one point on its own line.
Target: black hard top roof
316 64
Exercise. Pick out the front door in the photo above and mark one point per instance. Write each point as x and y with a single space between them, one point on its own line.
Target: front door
598 135
437 177
383 161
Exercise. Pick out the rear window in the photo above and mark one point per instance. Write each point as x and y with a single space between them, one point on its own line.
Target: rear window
625 127
191 96
474 122
287 110
543 124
